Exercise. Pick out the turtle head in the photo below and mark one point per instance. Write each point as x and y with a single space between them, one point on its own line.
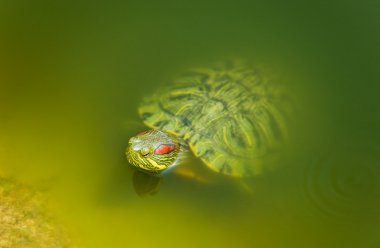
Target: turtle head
153 151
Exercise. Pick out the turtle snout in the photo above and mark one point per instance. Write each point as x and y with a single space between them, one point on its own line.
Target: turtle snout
132 140
134 143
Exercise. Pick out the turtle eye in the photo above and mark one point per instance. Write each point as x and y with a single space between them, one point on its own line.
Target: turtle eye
164 149
145 151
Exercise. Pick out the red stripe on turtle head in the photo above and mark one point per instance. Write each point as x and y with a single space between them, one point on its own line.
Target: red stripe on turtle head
163 149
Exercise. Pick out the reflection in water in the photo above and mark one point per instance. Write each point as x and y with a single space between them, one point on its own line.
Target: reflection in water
145 184
342 186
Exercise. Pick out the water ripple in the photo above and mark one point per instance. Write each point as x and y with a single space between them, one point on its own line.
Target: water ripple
343 186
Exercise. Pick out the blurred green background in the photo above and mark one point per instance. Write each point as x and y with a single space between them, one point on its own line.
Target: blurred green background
72 74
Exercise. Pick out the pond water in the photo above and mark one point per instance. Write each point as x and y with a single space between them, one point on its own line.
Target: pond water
73 74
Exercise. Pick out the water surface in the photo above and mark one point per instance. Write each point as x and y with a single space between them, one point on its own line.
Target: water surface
73 74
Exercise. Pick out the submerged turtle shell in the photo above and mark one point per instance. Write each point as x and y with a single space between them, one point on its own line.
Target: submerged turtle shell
230 115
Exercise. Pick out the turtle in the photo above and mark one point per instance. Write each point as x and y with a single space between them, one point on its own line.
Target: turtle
230 115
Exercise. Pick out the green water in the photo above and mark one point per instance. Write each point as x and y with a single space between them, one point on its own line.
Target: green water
73 73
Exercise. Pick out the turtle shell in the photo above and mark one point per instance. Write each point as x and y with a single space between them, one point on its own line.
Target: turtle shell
229 115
